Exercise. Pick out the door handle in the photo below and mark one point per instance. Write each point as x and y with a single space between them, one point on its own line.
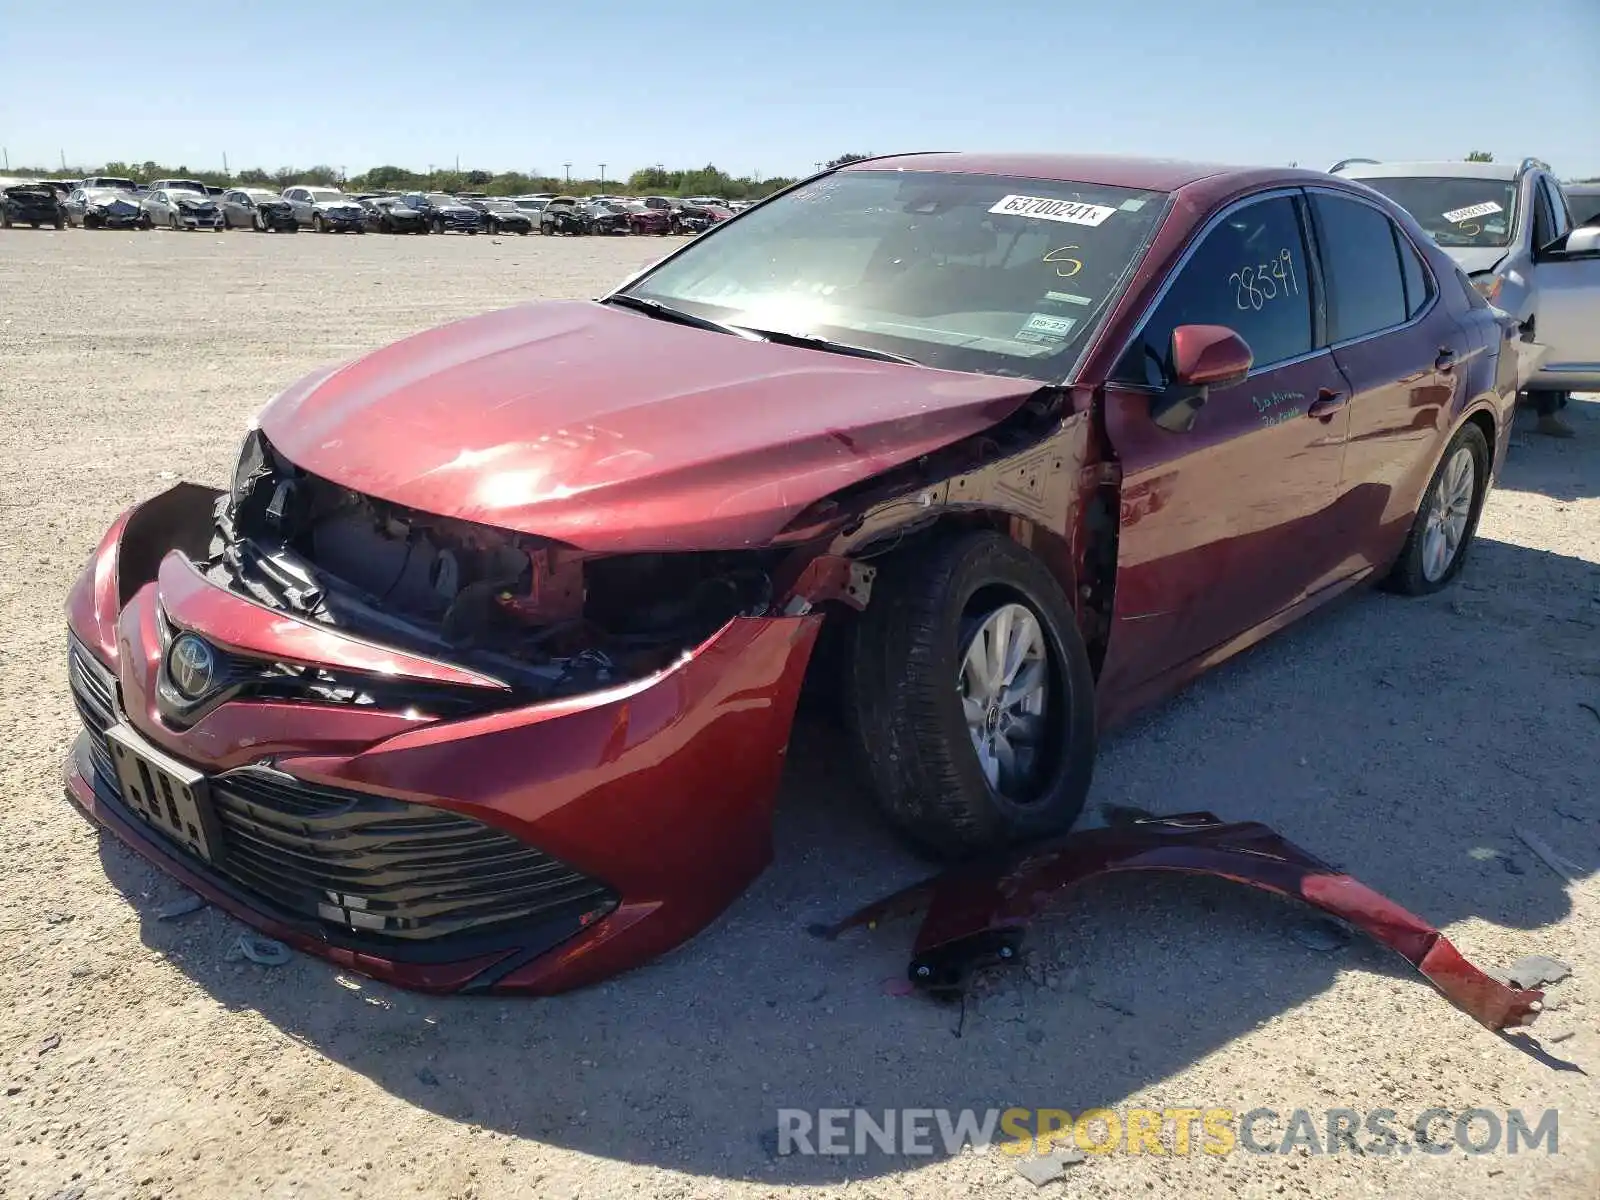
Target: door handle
1446 360
1327 403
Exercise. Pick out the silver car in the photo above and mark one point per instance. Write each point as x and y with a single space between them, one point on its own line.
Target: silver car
177 208
1511 230
325 209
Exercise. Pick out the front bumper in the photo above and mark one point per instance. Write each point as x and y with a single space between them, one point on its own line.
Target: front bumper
339 222
191 220
645 807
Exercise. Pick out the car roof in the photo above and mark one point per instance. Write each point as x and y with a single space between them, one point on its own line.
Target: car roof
1504 171
1144 174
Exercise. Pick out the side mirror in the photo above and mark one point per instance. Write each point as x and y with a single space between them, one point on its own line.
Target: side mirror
1583 240
1201 357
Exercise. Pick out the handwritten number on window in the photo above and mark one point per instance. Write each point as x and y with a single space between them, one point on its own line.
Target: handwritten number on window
1256 286
1066 266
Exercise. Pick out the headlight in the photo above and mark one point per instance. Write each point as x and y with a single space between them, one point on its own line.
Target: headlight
1487 284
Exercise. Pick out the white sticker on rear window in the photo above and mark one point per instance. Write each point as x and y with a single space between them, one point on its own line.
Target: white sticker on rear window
1042 208
1477 210
1042 327
1131 205
1067 298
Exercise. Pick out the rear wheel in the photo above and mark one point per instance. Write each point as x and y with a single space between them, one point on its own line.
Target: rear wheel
971 697
1447 518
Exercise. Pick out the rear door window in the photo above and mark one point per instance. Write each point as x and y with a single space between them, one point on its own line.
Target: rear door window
1249 274
1361 264
1419 284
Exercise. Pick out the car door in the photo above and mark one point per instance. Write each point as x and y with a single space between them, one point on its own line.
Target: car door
159 212
1401 354
299 205
1567 295
1224 526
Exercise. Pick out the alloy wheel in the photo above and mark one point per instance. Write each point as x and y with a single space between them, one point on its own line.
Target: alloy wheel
1446 527
1003 682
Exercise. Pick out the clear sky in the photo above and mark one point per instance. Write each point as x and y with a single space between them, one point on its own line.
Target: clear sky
773 87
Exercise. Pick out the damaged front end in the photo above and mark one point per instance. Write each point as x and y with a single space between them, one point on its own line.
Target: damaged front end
543 618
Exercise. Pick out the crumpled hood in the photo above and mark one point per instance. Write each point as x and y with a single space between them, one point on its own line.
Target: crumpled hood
194 201
614 431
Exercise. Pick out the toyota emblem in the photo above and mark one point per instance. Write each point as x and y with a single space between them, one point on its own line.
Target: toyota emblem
192 666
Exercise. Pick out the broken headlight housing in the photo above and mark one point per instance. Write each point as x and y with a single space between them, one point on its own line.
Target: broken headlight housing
1487 284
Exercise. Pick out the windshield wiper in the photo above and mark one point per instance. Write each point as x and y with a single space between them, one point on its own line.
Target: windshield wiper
813 342
666 312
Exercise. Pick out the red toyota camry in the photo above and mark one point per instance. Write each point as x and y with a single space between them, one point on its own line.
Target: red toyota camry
480 673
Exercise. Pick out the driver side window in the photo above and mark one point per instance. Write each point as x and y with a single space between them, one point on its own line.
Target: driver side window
1249 274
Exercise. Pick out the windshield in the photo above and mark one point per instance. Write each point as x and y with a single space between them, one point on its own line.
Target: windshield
107 181
185 185
1456 212
500 206
978 273
533 205
440 200
324 194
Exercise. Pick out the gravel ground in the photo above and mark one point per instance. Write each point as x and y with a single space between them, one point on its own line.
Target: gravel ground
1406 740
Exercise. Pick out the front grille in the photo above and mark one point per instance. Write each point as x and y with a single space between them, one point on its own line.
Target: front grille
380 865
94 695
368 864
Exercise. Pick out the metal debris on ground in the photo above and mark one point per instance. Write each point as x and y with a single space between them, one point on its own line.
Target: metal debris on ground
264 952
1535 970
1047 1168
1564 867
181 907
975 914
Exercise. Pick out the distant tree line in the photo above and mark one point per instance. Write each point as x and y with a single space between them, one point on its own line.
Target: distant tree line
708 180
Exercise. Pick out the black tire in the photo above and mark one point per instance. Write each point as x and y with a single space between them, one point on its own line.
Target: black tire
438 224
61 222
172 222
524 231
904 709
1408 576
318 225
490 228
259 223
5 220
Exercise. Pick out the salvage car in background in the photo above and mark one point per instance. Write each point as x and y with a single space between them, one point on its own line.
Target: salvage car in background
606 216
259 209
445 214
503 216
697 218
176 208
105 208
564 214
1508 227
643 219
325 210
391 214
481 674
36 204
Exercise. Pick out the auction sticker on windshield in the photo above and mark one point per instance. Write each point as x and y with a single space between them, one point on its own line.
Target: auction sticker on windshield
1042 208
1477 210
1041 327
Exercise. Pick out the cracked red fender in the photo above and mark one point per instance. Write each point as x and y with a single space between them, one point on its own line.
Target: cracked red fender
976 912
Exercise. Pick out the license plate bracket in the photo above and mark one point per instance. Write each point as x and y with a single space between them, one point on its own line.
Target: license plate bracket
167 794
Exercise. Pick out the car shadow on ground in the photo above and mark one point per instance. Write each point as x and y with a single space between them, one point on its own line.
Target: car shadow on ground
1405 740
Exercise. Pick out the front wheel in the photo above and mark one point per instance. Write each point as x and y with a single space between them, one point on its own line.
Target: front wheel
318 225
971 697
173 223
1447 518
438 224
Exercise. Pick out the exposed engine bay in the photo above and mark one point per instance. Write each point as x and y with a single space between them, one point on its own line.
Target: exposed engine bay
548 619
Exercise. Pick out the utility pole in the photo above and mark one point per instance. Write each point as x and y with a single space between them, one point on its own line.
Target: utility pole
63 154
602 176
458 164
225 170
568 167
7 155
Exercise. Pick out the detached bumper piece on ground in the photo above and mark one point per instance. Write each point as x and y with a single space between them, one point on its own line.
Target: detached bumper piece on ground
976 913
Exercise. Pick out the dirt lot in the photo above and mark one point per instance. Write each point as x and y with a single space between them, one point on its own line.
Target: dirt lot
1405 740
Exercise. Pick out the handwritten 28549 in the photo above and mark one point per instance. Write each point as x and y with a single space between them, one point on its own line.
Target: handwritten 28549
1257 285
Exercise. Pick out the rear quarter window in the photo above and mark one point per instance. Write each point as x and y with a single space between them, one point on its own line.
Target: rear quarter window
1360 262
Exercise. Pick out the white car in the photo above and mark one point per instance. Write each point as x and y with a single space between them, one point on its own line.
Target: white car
179 208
